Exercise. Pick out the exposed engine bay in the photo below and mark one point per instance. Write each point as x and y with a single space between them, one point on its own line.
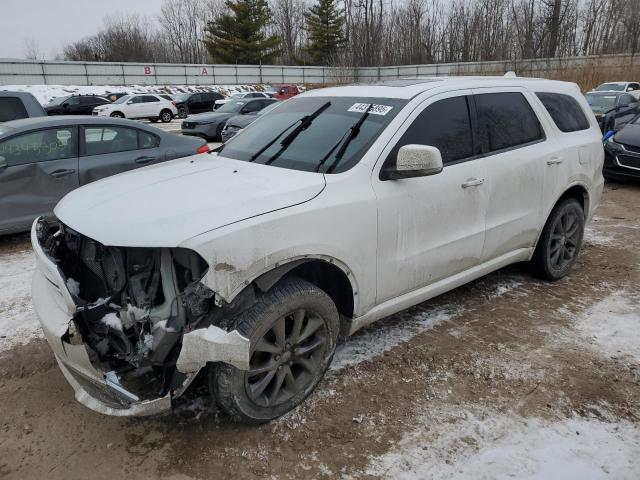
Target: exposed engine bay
134 305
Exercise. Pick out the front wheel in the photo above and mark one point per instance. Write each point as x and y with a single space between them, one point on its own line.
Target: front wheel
560 241
117 115
292 330
166 116
182 112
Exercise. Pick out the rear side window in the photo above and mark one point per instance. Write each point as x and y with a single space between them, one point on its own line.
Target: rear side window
506 120
626 100
150 99
103 140
147 140
565 111
445 125
11 108
39 146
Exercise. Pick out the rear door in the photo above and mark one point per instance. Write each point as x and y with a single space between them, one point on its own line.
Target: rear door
106 150
515 150
196 104
151 106
41 168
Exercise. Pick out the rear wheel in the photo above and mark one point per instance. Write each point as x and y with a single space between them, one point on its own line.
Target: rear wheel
117 115
166 116
293 330
560 241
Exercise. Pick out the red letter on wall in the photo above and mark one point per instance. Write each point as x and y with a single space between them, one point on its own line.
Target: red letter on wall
147 70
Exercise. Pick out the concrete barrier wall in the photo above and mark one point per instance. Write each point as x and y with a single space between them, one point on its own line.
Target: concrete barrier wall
23 72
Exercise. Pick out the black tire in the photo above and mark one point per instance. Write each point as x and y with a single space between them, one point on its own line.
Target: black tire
154 119
182 112
166 116
117 115
293 330
559 244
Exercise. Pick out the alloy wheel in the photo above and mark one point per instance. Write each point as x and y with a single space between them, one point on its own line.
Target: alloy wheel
564 240
287 358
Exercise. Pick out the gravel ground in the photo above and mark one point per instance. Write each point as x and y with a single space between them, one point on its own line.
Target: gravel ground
506 377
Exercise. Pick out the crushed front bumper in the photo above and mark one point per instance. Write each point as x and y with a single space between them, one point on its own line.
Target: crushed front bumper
101 391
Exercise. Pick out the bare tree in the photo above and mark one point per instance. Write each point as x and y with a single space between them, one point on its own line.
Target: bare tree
31 49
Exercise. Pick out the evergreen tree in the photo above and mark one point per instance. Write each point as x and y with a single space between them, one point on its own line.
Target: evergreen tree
239 36
325 23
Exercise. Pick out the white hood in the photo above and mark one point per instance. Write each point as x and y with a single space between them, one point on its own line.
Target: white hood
163 205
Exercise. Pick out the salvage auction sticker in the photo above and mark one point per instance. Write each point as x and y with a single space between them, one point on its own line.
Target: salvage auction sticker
375 109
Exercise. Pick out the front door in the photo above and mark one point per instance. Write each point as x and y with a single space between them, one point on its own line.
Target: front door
39 168
430 228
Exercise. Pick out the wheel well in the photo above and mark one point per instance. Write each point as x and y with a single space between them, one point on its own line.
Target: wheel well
118 112
579 193
321 273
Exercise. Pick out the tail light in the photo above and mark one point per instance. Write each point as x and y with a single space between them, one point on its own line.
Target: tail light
203 149
174 103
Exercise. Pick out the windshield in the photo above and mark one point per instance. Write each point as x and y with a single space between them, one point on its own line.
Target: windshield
238 95
59 100
616 87
601 101
123 99
183 97
233 106
309 147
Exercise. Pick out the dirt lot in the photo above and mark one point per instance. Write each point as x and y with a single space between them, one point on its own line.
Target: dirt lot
505 377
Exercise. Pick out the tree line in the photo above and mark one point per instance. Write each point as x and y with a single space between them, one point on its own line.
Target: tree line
364 32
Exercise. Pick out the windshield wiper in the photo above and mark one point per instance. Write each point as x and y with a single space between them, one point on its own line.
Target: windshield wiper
353 133
302 121
305 122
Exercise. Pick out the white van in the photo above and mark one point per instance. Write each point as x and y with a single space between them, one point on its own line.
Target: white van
340 207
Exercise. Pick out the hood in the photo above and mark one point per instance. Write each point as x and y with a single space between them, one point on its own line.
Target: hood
208 117
629 135
242 121
166 204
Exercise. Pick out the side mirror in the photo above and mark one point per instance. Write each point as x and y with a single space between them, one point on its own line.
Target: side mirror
3 163
414 161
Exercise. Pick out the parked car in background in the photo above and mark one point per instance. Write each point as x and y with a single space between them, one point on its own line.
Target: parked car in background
210 125
182 108
198 102
75 105
340 207
613 109
112 97
16 105
632 88
238 96
287 91
237 123
146 105
42 159
622 153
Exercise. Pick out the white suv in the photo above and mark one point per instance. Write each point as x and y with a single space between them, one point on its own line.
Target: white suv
153 107
340 207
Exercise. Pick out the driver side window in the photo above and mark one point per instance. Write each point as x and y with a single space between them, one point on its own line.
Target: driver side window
446 125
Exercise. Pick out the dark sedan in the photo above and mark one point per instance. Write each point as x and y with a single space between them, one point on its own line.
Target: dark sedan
75 105
613 109
42 159
622 153
237 123
210 125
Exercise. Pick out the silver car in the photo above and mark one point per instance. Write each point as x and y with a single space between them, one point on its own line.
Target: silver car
42 159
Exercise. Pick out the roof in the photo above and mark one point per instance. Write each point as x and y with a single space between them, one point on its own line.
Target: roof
408 88
66 120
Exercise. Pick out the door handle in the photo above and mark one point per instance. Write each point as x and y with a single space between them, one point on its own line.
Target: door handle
62 173
554 161
473 182
144 160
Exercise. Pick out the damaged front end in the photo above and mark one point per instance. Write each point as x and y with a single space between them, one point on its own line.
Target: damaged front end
130 327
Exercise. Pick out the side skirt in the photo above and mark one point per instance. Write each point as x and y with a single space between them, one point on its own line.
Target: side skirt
425 293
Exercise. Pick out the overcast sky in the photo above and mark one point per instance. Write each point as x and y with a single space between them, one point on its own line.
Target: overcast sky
53 23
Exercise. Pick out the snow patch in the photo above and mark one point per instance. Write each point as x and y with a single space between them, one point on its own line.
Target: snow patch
18 321
598 237
376 339
614 325
464 446
112 320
